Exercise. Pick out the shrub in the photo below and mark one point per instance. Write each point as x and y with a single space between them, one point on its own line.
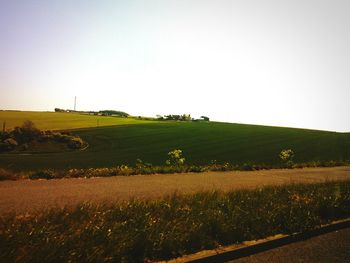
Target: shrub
75 173
27 132
30 127
196 169
4 135
75 143
286 157
247 167
143 168
125 170
10 144
58 137
42 174
175 158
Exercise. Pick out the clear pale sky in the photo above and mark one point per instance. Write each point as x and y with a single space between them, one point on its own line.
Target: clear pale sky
283 63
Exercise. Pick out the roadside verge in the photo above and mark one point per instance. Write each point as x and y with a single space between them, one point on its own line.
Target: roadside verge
227 253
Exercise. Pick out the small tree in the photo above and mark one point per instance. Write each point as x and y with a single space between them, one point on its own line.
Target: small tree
26 132
286 157
175 158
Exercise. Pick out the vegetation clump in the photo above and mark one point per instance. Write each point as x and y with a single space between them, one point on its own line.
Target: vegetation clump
140 231
286 157
175 117
22 137
114 113
183 117
8 144
175 158
42 174
147 168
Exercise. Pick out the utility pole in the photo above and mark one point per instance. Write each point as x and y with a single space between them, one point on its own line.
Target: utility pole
75 103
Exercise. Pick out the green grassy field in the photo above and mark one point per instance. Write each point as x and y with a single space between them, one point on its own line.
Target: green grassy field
201 142
61 121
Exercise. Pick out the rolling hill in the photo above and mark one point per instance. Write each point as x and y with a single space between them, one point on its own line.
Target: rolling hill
123 141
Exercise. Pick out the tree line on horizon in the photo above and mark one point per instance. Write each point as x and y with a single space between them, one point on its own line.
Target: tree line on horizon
169 117
183 117
101 112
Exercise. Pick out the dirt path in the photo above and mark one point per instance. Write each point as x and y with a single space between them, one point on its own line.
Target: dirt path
26 195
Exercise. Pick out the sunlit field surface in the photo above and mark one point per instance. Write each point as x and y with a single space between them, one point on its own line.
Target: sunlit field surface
61 121
201 142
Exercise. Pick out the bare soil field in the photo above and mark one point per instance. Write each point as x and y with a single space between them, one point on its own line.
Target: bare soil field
35 195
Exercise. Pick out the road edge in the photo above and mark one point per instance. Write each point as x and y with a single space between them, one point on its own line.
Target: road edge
253 247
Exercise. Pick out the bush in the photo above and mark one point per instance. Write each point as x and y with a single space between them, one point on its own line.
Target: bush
196 169
59 137
114 113
175 158
125 170
286 157
9 144
27 132
75 142
143 168
42 174
4 135
75 173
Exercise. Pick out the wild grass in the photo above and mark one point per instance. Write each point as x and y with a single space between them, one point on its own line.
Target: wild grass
137 231
144 169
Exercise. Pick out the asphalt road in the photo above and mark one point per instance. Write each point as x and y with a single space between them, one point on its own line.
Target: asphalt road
328 248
